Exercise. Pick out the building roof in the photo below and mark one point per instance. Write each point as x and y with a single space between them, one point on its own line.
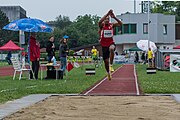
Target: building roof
15 6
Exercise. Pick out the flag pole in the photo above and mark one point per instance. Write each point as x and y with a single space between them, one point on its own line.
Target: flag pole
148 23
148 27
66 70
134 6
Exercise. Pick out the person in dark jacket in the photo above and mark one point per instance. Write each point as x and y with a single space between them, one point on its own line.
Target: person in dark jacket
136 57
9 55
63 52
34 55
50 49
143 58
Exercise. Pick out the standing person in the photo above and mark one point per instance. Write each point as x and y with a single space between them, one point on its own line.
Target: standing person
143 58
9 55
136 57
63 52
50 49
34 55
150 57
106 40
94 54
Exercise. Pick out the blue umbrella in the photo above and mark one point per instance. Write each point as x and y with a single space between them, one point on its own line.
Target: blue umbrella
28 25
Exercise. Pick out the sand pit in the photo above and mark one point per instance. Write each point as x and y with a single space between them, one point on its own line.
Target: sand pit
101 108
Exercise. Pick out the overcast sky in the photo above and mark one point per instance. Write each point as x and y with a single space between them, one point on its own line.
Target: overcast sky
48 10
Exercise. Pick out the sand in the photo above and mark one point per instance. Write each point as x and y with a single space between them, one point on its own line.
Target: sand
101 108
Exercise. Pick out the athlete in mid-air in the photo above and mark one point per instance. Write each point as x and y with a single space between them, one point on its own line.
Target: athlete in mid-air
106 40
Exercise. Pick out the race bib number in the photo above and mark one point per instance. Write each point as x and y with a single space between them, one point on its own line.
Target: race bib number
108 33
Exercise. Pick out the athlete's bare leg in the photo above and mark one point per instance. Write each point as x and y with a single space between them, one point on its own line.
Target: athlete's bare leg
111 49
106 62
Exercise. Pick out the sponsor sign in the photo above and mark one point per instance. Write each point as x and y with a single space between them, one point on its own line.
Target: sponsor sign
174 63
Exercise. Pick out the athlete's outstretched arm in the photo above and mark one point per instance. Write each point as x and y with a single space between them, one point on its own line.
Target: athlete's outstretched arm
119 23
104 17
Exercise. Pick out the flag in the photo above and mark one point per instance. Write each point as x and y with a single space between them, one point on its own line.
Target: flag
69 66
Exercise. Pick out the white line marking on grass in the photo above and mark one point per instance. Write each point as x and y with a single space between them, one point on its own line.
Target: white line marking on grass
100 82
28 87
33 86
8 90
137 88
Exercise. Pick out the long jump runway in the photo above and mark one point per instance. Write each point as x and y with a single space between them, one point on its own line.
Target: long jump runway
123 82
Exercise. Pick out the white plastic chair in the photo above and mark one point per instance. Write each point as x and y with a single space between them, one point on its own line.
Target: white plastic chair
20 68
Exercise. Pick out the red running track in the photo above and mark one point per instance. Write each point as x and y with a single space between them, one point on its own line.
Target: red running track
124 82
9 71
6 71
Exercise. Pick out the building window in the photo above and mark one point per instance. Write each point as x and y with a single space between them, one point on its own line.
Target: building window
118 30
165 29
126 29
132 28
145 28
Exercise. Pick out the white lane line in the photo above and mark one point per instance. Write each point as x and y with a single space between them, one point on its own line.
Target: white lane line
100 82
114 78
137 88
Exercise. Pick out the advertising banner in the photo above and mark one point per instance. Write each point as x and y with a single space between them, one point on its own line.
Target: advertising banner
174 63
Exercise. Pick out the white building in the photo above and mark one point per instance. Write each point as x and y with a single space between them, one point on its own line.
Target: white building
135 28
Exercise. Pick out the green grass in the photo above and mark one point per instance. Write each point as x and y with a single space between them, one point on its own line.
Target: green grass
163 82
76 82
3 63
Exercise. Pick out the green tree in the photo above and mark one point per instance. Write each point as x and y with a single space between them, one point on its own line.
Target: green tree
177 10
3 21
6 35
84 30
167 7
61 22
